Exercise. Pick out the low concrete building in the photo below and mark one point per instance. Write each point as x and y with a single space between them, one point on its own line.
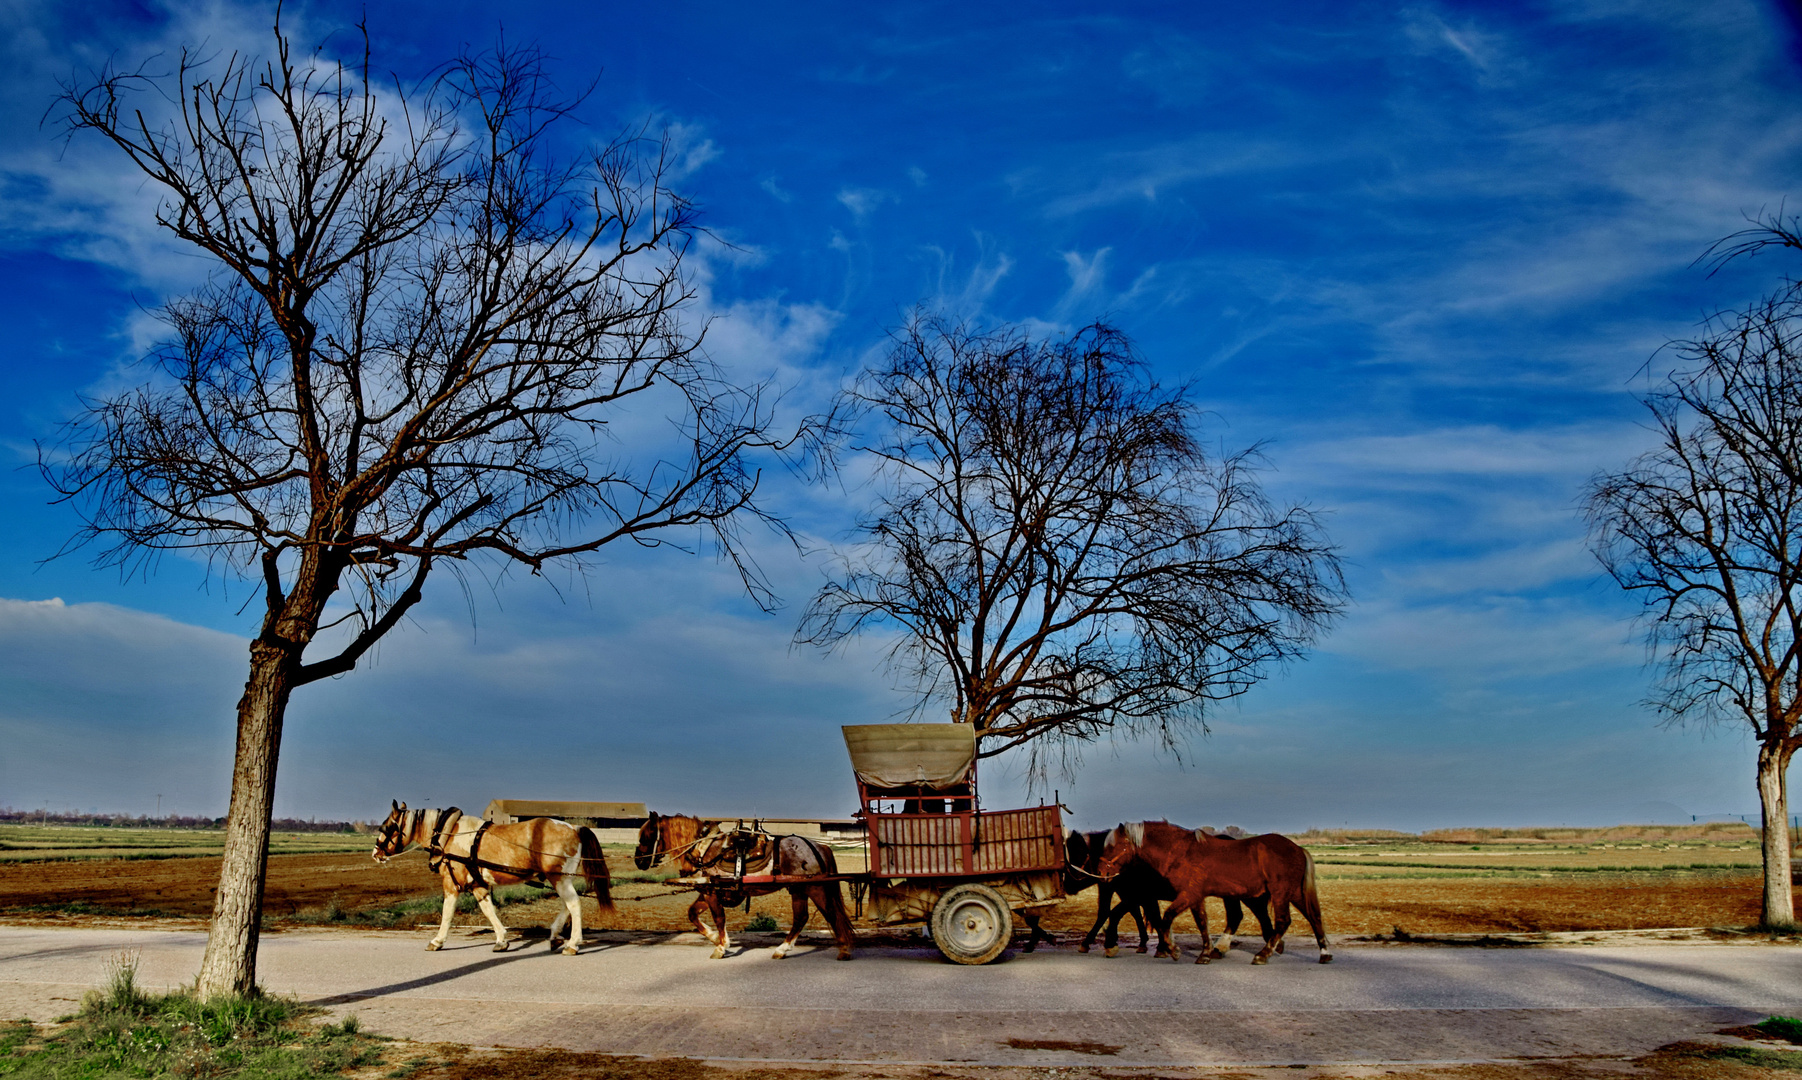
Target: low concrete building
606 815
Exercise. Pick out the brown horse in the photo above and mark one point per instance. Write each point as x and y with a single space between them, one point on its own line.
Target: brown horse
1268 867
472 855
1138 887
727 853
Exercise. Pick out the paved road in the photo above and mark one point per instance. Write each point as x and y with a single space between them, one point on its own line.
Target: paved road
1055 1007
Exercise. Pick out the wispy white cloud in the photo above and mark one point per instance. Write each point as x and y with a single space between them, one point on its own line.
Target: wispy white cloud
862 201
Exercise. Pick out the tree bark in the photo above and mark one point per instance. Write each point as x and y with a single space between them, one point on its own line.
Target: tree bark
230 965
1779 894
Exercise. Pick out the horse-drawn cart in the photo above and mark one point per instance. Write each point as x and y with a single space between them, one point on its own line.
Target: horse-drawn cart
933 855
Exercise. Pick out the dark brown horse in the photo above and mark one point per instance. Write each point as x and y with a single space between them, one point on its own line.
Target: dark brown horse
727 854
1138 888
472 855
1269 867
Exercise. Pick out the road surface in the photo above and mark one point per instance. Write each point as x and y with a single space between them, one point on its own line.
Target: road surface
664 997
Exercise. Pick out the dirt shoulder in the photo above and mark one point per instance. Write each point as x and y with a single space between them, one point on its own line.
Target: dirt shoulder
329 887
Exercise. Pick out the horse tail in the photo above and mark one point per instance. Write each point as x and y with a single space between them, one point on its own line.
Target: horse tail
594 868
1311 906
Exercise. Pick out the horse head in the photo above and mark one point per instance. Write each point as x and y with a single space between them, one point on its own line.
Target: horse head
391 838
651 848
1121 846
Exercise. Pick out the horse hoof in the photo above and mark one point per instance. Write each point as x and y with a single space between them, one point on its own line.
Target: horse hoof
718 954
1028 947
433 946
570 950
1326 957
500 946
1203 959
1216 954
1110 953
1082 948
847 956
1260 959
1140 950
778 955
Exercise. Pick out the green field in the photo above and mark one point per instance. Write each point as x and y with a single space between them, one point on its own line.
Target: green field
26 843
1495 853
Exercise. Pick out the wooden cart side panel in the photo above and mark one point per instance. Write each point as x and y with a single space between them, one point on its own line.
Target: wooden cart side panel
992 842
1019 840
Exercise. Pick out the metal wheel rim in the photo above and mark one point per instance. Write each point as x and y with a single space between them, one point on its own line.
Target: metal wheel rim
971 926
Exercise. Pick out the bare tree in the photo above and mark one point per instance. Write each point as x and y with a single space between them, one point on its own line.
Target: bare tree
1061 556
1707 528
424 318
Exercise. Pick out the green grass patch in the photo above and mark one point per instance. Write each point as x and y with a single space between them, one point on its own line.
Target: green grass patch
82 907
122 1031
1782 1027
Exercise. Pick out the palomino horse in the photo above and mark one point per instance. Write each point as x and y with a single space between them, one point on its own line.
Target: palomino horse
1139 889
472 855
1198 866
715 850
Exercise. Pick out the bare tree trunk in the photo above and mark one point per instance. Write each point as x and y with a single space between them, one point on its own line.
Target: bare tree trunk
1779 901
231 946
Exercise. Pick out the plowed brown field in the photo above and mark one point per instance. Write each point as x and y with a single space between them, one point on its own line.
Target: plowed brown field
302 886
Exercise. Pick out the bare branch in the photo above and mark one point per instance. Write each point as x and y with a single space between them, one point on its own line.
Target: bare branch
1063 558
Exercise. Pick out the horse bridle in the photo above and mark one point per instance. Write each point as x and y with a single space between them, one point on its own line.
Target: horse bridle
394 834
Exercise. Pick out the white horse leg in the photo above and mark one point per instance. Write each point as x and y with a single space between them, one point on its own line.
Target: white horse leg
798 904
723 943
450 910
572 905
485 901
1224 943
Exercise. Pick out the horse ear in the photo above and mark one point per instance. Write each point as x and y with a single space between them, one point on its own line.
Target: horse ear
395 804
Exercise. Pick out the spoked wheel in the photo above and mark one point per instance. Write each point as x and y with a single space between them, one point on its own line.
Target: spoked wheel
971 924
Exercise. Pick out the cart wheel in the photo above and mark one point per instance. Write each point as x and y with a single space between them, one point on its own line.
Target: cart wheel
971 924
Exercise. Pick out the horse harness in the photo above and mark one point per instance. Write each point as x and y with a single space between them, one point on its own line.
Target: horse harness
444 828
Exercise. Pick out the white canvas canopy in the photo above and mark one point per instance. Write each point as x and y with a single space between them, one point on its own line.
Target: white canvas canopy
931 756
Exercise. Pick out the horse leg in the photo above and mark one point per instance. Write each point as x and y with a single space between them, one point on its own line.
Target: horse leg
1235 914
485 901
1200 911
694 916
1037 932
572 906
1104 897
1310 910
1279 925
1118 912
833 909
797 899
1137 911
450 911
1260 910
1167 945
717 908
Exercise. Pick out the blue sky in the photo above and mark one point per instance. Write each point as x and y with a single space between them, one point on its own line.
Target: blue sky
1422 251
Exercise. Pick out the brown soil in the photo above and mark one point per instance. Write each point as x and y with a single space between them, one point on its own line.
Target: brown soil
302 885
451 1062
